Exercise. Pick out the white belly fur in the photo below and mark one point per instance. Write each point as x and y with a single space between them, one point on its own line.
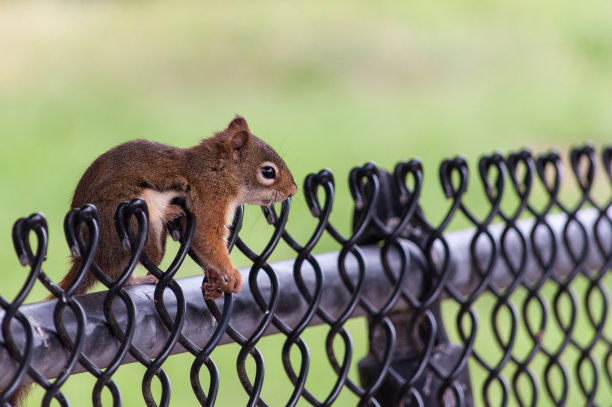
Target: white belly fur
157 202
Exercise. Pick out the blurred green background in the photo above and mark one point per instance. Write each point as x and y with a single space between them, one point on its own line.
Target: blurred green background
329 85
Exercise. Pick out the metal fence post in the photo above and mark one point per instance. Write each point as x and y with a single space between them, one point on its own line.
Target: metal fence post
422 358
423 376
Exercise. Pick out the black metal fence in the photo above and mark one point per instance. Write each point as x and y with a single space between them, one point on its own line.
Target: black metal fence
512 310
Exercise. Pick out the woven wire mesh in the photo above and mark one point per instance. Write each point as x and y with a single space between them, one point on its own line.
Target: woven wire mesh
511 311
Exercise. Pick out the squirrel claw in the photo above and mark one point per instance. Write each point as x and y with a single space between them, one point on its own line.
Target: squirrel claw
216 284
211 292
212 287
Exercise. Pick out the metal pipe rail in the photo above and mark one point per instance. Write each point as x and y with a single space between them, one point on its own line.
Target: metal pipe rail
100 345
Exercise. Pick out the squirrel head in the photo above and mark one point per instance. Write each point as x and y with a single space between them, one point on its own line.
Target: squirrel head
260 173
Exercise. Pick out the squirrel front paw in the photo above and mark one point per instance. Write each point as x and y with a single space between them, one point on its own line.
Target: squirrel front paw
216 284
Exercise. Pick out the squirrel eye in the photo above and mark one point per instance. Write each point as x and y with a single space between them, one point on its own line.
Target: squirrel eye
268 172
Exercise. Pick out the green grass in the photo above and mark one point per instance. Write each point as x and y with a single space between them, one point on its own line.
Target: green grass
328 85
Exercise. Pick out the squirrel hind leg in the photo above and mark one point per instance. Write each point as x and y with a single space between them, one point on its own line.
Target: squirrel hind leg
138 280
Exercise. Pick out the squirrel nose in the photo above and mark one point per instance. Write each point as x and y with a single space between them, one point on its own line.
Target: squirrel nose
293 190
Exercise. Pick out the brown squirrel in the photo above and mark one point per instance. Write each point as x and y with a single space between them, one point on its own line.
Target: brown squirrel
214 177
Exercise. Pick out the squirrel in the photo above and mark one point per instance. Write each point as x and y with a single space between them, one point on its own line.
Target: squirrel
213 178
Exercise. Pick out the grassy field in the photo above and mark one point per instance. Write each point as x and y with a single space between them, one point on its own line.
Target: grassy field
328 85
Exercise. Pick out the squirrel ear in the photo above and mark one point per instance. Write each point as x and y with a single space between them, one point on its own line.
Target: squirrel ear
240 139
239 136
238 124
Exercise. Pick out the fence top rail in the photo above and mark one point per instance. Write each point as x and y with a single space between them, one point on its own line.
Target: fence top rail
50 354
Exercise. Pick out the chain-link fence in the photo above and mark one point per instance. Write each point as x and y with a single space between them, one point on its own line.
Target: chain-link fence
510 310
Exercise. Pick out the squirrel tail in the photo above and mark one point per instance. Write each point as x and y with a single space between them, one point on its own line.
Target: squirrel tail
20 395
86 284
